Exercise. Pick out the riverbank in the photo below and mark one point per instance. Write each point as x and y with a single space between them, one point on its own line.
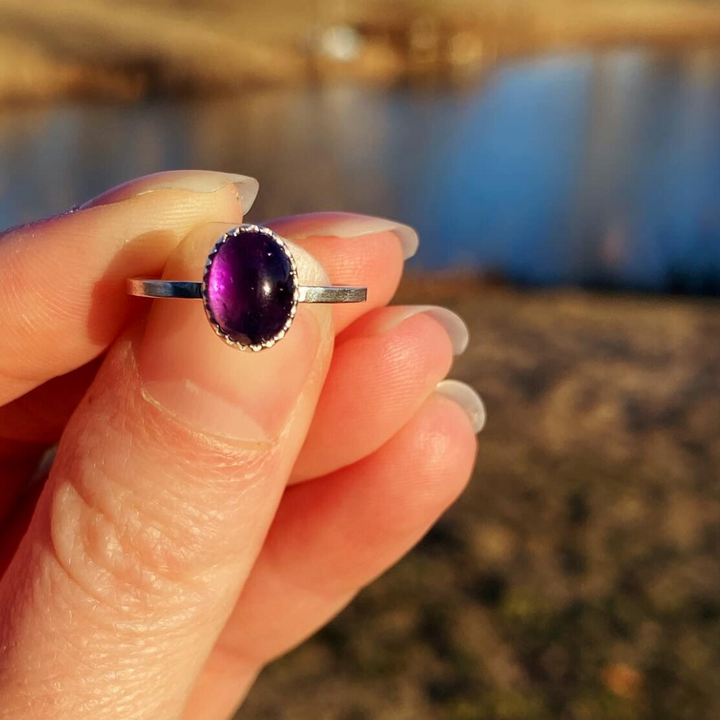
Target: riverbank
578 577
94 49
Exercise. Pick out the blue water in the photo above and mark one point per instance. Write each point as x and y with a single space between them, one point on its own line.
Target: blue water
575 169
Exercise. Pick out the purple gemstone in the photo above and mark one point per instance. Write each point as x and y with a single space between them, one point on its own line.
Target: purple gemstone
249 287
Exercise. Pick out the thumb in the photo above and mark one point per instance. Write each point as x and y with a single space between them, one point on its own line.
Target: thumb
165 483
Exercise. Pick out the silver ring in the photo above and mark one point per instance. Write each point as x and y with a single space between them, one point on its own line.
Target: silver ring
150 288
249 289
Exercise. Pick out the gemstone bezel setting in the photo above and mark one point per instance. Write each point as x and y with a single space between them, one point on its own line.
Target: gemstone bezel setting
282 245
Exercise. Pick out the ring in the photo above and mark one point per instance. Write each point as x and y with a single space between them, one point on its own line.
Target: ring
249 289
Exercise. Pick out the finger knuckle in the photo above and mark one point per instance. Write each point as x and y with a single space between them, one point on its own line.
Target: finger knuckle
142 508
131 539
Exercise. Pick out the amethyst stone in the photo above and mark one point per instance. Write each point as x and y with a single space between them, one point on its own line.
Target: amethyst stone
250 286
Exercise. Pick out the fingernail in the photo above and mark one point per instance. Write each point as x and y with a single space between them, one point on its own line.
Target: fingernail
452 323
347 225
201 181
189 372
466 398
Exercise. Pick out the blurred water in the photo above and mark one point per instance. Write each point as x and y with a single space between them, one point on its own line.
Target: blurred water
584 168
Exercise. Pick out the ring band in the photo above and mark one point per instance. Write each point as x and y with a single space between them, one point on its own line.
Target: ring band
151 288
249 289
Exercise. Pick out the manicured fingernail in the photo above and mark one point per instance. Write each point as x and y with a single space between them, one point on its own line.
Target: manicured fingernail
191 374
466 398
201 181
453 324
346 225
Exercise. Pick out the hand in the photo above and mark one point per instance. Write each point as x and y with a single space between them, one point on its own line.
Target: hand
208 509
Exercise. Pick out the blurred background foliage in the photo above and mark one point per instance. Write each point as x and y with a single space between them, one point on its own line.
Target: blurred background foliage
138 47
561 161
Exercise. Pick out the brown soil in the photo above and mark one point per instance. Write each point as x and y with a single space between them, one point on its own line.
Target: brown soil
579 575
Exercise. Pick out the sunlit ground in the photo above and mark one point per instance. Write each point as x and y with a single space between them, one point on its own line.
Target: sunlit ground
578 575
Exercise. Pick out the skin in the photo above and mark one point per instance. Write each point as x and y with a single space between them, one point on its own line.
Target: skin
208 509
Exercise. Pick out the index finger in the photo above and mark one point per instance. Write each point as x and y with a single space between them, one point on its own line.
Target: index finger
63 294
